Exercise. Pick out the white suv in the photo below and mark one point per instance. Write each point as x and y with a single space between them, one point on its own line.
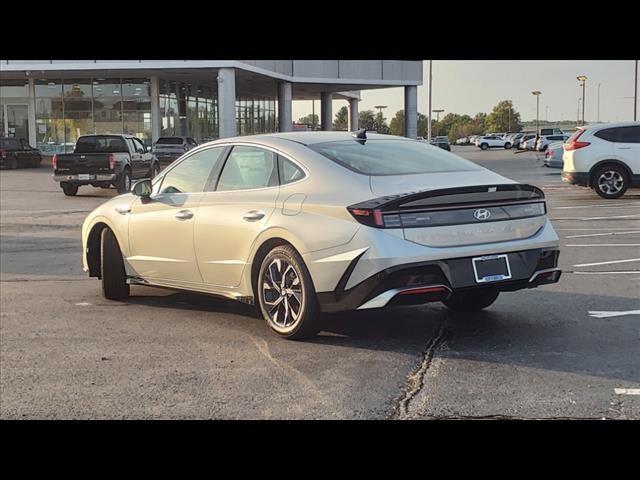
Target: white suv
489 141
604 157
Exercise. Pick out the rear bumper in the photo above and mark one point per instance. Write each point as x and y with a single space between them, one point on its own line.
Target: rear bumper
87 179
431 281
576 178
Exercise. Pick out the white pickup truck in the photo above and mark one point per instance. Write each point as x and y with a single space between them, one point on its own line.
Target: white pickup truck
492 141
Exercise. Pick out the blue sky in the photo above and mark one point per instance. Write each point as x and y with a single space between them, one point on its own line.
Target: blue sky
471 86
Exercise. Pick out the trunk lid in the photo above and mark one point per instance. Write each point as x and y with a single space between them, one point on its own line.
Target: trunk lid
74 163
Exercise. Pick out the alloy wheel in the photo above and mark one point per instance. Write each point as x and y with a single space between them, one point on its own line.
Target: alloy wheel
282 294
610 182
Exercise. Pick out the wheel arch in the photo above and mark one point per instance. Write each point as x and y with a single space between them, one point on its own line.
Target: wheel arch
93 248
609 161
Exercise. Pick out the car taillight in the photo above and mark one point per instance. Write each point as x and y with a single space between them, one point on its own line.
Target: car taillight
367 216
574 144
54 162
112 161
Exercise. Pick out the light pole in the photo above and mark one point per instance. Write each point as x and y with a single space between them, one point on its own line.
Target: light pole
537 94
437 112
380 108
583 79
598 103
578 113
429 125
635 96
546 113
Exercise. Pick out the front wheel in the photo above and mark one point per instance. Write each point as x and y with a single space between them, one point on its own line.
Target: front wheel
484 146
114 279
507 146
610 181
69 189
286 294
472 300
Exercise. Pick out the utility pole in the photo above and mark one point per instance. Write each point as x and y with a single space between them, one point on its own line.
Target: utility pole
313 115
430 90
583 79
598 103
537 93
438 112
635 96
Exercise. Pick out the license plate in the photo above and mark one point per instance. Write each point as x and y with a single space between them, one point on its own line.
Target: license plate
84 176
491 268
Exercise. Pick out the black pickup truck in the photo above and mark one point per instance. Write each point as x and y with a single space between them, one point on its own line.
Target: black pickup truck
16 152
102 161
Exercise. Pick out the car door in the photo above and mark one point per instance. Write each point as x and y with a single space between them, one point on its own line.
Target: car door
626 146
138 162
161 227
231 217
27 154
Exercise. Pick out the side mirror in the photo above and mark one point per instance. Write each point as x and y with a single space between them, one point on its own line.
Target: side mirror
142 188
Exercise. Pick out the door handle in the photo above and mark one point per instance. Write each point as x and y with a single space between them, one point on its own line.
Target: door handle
253 215
184 215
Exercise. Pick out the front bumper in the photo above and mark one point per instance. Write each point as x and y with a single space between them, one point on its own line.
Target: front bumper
576 178
85 178
430 281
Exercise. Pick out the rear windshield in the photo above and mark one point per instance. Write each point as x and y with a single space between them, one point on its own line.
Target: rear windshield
170 140
100 145
13 143
392 157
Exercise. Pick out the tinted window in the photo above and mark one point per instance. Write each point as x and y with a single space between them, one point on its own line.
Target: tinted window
191 174
10 143
289 171
627 135
138 145
170 141
191 141
100 144
248 167
392 157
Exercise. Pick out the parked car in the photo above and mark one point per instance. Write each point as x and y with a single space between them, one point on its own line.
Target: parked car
102 161
306 222
529 144
492 141
514 138
553 155
16 152
605 157
543 142
550 131
167 149
529 137
442 142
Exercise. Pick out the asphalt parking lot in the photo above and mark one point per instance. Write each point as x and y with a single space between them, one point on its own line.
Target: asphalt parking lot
569 350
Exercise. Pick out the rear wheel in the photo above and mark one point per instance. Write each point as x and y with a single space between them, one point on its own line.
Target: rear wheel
155 170
124 183
69 189
610 181
507 146
472 300
114 279
286 294
484 146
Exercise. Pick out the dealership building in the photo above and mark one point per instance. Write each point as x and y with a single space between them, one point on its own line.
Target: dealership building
52 102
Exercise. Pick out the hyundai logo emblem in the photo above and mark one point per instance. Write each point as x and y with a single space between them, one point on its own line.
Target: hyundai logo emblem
482 214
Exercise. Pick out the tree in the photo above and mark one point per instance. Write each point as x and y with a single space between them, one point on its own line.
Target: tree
366 119
396 127
310 119
341 121
504 118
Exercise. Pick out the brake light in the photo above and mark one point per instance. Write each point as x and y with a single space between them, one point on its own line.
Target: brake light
574 144
112 161
368 216
54 162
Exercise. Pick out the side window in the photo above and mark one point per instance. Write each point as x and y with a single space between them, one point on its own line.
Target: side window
138 145
25 144
191 141
606 134
248 167
191 174
131 145
289 171
628 135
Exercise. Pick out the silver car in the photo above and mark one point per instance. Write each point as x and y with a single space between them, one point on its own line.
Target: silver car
553 155
308 222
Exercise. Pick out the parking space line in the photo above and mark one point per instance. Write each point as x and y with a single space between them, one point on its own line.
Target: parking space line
611 262
627 391
623 272
603 245
601 234
608 314
609 217
625 205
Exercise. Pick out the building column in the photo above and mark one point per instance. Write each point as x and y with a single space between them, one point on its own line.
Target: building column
227 102
156 120
326 115
181 109
31 115
285 97
411 111
353 114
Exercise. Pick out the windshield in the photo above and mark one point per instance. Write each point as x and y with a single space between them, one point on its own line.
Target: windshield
392 157
170 141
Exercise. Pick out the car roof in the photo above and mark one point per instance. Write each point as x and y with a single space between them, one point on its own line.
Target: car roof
310 138
600 126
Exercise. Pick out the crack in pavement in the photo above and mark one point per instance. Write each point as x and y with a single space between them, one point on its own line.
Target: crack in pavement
415 381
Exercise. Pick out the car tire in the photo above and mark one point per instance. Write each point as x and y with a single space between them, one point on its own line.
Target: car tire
114 278
124 182
610 181
293 315
69 189
507 146
472 300
484 146
155 170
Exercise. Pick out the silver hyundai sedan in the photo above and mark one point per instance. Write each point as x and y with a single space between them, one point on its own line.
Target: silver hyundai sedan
303 223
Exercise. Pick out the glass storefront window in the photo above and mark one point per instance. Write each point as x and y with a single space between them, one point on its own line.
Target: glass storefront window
14 88
49 116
